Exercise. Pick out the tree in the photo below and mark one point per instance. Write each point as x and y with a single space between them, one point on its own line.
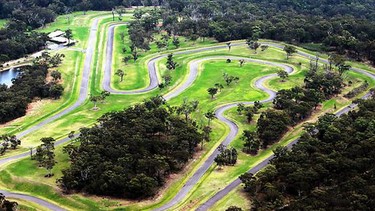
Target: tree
240 108
121 74
56 75
45 155
264 47
212 91
254 44
290 50
56 59
104 95
258 105
282 74
6 205
226 157
71 135
242 62
9 140
249 114
135 55
126 59
229 44
229 79
271 126
233 208
161 45
187 107
68 35
95 99
176 42
167 79
343 68
171 65
210 115
56 91
252 143
219 86
207 130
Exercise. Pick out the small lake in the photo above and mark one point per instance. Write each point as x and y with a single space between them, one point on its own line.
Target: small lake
6 76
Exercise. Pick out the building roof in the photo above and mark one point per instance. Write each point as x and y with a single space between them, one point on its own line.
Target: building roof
56 34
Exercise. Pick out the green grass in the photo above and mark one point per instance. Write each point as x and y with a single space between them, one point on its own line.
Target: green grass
3 22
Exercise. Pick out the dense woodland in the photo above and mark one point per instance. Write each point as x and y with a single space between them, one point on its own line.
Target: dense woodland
292 106
29 84
342 26
16 41
331 167
130 153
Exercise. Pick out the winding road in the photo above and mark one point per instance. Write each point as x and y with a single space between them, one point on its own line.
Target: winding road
153 84
223 192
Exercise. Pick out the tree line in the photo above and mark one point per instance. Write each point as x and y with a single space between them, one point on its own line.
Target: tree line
330 168
342 26
16 41
36 13
292 106
29 84
130 153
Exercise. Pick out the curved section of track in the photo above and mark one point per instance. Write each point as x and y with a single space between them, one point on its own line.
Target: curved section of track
223 192
220 115
40 202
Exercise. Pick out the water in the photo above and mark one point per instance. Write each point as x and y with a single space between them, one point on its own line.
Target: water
6 76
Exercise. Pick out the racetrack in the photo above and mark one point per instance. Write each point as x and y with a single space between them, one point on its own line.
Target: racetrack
153 84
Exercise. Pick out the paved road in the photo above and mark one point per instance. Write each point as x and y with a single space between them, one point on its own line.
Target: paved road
194 65
84 83
40 202
222 193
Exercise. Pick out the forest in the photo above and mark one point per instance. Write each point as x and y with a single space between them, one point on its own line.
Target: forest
331 167
30 84
345 27
16 41
131 152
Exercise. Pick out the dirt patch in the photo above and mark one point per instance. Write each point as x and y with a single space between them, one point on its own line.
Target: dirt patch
33 109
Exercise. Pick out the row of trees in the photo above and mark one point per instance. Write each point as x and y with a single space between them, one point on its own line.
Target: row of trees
37 13
131 152
330 168
9 142
339 26
29 84
292 106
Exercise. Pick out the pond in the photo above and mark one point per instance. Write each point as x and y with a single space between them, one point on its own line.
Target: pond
6 76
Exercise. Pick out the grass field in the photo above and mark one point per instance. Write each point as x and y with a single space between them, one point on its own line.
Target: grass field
3 22
24 176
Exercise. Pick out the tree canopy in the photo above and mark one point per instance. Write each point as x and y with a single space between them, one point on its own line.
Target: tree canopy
131 152
330 168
